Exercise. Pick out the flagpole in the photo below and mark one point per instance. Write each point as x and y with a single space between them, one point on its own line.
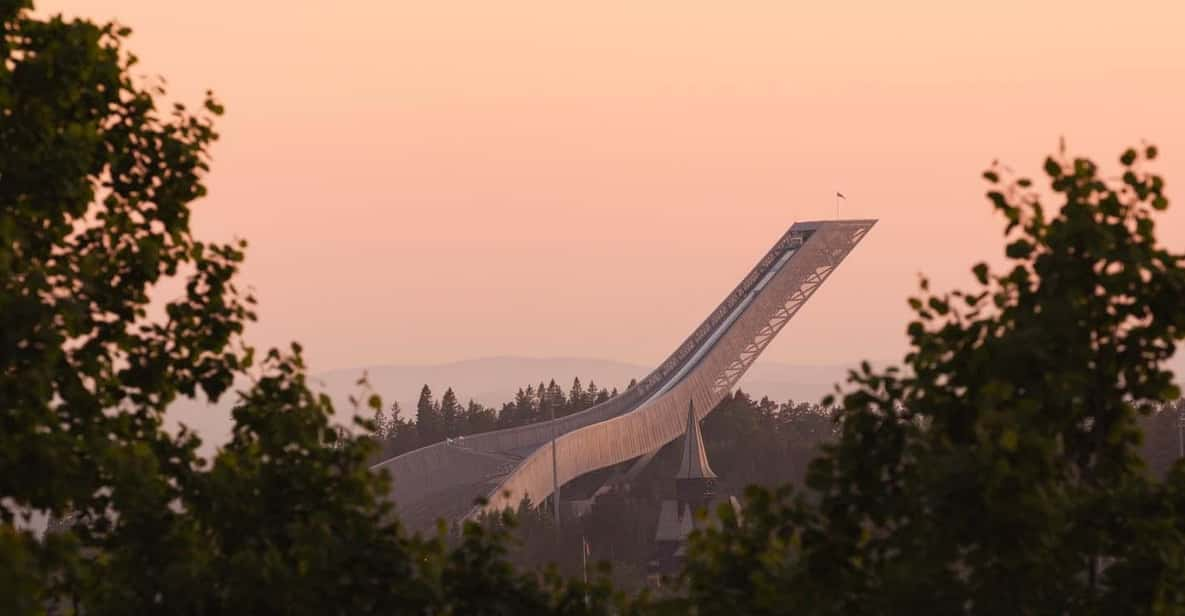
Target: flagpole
584 556
555 475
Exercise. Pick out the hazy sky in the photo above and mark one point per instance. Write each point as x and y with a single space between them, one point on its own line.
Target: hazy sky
433 180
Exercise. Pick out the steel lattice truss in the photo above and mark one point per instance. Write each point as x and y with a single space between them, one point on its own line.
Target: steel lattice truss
444 479
827 260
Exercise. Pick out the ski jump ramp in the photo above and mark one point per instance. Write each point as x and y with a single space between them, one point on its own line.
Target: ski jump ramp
443 480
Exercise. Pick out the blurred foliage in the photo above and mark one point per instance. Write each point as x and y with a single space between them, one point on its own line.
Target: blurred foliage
1000 471
97 183
748 441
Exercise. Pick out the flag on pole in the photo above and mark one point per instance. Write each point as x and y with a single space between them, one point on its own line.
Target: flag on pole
840 195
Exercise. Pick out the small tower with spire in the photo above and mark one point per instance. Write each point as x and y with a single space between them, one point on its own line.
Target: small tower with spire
695 488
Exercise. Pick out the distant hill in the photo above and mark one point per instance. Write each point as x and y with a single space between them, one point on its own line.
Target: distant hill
492 381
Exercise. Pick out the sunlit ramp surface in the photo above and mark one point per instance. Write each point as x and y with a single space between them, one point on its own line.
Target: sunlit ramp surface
443 480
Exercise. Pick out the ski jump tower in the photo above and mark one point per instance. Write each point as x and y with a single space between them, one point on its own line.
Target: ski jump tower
443 480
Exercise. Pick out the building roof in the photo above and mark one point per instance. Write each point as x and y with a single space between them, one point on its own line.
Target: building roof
695 459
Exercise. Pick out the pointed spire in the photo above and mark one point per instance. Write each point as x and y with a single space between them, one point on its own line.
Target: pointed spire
695 459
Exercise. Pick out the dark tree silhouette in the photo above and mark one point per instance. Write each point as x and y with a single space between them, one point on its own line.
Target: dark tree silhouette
1000 473
97 180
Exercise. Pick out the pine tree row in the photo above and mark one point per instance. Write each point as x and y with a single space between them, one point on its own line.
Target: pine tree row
437 420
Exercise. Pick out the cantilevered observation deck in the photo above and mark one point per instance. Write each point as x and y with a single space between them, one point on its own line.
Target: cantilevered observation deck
443 480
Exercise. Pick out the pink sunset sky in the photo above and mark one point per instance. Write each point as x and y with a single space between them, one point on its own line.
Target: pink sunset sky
433 181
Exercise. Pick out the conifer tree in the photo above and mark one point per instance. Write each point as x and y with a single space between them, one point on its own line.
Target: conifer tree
593 394
576 398
429 423
556 401
450 413
507 415
526 405
402 434
384 422
542 410
479 419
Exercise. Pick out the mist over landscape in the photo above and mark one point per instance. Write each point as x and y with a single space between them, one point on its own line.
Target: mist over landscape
494 380
526 307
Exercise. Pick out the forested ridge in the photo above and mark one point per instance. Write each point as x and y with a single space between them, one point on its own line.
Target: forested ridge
742 432
749 441
435 420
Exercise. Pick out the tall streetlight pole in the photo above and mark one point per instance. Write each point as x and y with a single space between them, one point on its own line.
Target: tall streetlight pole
555 475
